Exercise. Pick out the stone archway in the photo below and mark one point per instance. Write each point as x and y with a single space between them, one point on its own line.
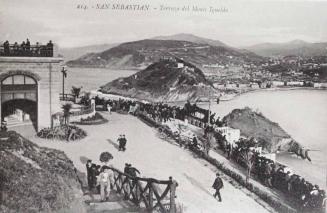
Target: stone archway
19 97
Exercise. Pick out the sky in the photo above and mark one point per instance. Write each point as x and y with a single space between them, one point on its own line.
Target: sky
245 22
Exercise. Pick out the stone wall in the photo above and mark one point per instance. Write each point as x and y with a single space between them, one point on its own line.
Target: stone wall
46 70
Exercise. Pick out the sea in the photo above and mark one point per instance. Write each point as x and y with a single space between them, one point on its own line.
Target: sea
302 113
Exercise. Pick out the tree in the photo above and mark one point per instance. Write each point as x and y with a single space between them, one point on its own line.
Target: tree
245 153
66 108
76 91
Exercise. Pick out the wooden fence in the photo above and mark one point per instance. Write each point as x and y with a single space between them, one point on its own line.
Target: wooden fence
147 193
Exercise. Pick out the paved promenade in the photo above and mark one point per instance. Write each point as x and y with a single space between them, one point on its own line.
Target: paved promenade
156 158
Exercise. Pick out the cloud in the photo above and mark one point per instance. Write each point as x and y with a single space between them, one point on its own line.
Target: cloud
247 22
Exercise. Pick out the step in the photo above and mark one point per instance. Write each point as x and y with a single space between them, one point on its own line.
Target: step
18 123
114 204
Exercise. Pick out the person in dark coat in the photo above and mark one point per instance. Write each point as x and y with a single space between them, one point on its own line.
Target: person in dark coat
120 142
123 143
88 173
93 178
217 185
28 46
132 171
194 142
126 169
49 52
6 47
22 48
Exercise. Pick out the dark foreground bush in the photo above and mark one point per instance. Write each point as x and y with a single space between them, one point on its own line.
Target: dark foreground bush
64 132
36 179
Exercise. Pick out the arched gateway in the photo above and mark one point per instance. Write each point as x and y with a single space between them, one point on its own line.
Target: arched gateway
29 88
19 97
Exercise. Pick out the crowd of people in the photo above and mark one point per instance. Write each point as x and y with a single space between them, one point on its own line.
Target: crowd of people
278 176
100 179
269 173
26 49
282 178
160 112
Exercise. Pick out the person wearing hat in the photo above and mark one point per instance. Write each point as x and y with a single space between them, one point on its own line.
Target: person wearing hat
217 185
120 148
126 169
105 181
123 143
88 173
132 171
194 142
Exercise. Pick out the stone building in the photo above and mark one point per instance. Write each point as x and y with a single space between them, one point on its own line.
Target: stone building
30 84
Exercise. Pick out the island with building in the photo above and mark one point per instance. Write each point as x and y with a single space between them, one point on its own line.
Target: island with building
172 77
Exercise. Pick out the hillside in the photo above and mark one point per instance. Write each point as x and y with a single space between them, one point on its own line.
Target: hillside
76 52
163 81
191 38
36 179
140 54
296 47
252 124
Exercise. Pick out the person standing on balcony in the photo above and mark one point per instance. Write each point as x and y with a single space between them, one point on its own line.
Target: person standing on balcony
28 46
49 51
16 49
37 49
23 48
6 48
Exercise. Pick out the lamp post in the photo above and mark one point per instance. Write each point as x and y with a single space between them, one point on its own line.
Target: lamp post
64 75
209 113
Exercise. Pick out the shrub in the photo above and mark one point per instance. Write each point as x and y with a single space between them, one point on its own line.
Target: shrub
93 120
105 157
64 132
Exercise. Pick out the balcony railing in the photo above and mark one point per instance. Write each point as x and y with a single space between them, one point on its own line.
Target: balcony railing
16 50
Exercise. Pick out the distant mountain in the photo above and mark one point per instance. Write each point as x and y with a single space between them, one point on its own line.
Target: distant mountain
76 52
191 38
166 80
295 47
140 54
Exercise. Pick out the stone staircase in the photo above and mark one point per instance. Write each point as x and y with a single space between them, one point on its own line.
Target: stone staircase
13 121
115 204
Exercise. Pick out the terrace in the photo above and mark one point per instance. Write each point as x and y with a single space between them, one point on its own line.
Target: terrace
26 50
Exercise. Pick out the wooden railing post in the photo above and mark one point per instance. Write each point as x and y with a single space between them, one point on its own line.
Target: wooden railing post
150 196
173 184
